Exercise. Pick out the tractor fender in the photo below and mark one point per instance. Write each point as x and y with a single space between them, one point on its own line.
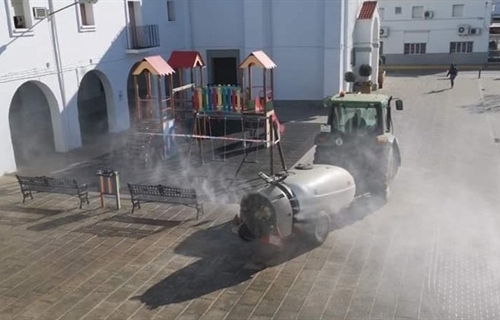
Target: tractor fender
397 153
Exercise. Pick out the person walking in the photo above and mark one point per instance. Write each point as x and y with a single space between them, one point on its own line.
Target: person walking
452 73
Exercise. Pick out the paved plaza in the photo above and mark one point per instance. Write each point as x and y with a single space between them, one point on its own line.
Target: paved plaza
432 252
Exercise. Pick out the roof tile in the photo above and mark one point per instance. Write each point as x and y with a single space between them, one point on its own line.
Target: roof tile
367 10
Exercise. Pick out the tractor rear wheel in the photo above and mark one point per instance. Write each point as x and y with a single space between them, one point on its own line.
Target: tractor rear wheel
321 156
384 176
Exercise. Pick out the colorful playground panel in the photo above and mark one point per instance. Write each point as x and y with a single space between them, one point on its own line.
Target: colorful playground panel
224 98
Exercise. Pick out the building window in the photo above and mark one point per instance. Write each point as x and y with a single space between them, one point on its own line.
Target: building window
20 12
417 12
398 10
415 48
381 13
457 10
86 15
461 47
170 11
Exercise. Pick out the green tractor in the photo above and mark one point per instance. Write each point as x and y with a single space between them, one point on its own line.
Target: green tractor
359 137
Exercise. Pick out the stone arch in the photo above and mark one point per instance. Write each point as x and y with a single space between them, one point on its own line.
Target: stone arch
96 106
35 124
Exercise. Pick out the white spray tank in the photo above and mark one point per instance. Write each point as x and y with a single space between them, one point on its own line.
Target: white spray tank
303 193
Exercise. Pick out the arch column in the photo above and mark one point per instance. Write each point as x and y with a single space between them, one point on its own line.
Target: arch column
366 39
375 31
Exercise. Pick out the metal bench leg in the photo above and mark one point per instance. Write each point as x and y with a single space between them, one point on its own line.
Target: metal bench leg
199 208
27 194
135 204
83 198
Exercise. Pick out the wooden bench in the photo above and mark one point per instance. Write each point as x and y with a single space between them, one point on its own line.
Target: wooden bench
160 193
52 185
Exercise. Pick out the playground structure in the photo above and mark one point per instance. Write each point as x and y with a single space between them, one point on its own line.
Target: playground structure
245 104
183 92
187 112
152 115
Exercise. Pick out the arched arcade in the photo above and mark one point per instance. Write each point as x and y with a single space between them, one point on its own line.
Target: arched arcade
95 106
35 124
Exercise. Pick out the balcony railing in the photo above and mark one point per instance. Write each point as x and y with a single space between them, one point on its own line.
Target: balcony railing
143 37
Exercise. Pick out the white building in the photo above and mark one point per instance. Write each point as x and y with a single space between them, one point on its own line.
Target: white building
65 80
494 52
435 32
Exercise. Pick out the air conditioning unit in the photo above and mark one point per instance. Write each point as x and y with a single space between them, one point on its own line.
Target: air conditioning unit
384 32
475 31
463 30
40 13
429 14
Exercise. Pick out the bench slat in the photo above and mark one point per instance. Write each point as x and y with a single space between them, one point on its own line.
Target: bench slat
65 190
164 194
151 198
162 191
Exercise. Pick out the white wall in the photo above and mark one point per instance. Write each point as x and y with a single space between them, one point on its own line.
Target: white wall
31 57
302 37
298 49
217 24
350 13
439 31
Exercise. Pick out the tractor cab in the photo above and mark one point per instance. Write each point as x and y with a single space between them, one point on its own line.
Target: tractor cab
358 136
358 115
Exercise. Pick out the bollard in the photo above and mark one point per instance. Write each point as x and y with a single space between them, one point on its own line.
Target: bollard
109 184
479 75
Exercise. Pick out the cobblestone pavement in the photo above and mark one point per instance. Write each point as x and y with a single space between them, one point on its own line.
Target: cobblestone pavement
430 253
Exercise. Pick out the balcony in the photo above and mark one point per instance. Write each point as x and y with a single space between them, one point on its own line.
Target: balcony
143 38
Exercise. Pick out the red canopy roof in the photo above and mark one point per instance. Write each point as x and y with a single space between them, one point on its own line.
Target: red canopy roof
367 10
185 60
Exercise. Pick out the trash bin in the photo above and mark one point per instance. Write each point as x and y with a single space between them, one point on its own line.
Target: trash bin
109 184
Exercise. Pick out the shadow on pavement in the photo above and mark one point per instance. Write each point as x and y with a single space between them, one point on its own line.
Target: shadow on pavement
438 91
299 111
227 261
39 211
123 225
15 215
224 263
56 223
413 73
360 209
